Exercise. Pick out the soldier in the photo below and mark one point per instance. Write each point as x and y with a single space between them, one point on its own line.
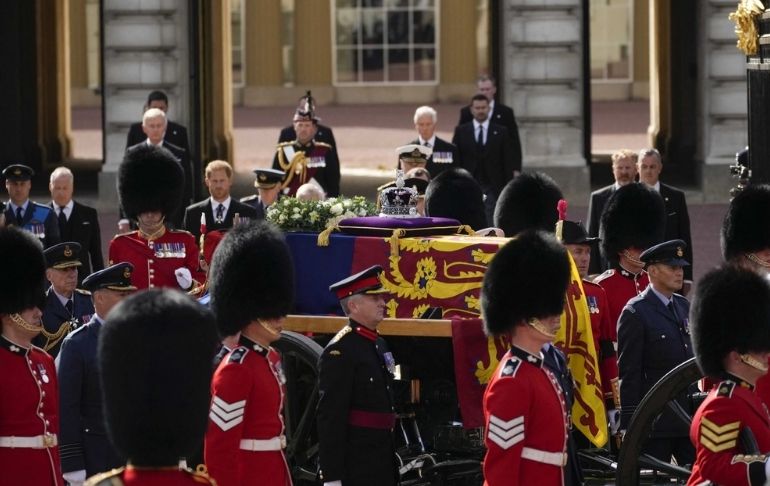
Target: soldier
528 202
245 437
29 395
268 184
356 411
413 156
85 449
305 159
36 218
731 309
150 187
525 413
66 307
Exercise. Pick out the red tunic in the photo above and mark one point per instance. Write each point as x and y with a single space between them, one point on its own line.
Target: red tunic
527 423
620 287
729 408
155 261
130 476
29 407
247 398
604 330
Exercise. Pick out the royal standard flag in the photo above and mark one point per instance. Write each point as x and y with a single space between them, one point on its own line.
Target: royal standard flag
576 340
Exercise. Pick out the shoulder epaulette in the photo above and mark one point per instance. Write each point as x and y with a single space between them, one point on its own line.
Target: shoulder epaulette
322 144
237 355
607 274
591 284
109 478
121 235
83 292
249 198
285 144
342 333
726 388
510 368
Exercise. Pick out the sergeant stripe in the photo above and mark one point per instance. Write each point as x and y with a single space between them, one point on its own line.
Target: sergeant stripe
714 447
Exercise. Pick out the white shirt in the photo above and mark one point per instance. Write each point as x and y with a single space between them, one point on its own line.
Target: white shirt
431 141
215 204
476 126
23 207
491 110
63 299
67 209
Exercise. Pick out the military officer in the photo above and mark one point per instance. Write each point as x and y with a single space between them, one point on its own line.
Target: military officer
653 338
731 309
38 219
154 358
66 307
29 395
526 415
305 159
268 184
245 438
413 156
355 411
150 185
85 449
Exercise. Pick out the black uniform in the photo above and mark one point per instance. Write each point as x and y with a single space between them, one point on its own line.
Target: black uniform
55 315
355 411
324 165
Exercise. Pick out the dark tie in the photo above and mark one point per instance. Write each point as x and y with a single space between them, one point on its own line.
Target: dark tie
480 138
62 222
673 310
427 144
220 213
19 217
68 306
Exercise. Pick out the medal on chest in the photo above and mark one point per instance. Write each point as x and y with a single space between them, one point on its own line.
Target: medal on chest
390 362
43 373
593 304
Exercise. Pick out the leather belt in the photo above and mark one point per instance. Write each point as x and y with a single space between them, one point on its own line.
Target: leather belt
258 445
552 458
37 442
372 420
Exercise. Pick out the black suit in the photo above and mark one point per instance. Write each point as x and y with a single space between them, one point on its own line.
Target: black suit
38 220
677 222
83 227
596 205
449 157
490 164
176 134
192 216
501 115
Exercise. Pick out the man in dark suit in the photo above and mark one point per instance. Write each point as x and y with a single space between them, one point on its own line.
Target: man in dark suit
219 209
624 172
444 154
649 165
268 184
485 151
83 444
77 222
653 338
28 215
498 113
175 134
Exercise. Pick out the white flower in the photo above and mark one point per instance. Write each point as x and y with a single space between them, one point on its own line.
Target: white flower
296 216
362 212
282 218
336 209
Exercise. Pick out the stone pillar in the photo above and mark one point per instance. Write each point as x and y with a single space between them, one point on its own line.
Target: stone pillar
217 92
458 55
542 76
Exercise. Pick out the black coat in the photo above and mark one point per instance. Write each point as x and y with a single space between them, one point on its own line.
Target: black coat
329 175
83 441
449 157
36 217
192 216
55 315
255 202
176 134
83 227
492 165
677 221
501 115
596 205
323 134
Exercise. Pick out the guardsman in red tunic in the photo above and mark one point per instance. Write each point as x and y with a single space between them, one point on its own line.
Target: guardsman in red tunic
731 429
29 396
245 439
150 185
525 412
155 352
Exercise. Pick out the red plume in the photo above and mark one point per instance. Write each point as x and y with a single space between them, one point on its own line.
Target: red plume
562 208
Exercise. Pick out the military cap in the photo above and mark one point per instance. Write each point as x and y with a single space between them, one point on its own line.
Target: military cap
528 202
574 233
414 153
669 252
745 228
154 355
268 178
364 282
63 255
116 277
634 217
454 193
23 282
251 276
730 311
526 279
18 172
150 178
306 109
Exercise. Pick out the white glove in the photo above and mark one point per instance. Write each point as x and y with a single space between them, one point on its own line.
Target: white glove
613 416
183 277
75 478
334 483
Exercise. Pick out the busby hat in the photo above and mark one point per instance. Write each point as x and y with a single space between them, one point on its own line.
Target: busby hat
150 178
251 277
23 282
155 352
745 227
634 216
526 279
455 194
730 312
528 202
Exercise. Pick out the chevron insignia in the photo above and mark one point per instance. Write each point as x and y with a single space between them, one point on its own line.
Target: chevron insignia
504 433
226 415
718 438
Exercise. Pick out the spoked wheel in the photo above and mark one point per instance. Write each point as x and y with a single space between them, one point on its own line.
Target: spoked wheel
300 356
660 397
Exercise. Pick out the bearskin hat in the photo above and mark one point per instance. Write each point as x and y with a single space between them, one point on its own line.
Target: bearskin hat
150 179
745 228
528 202
634 216
730 312
455 194
251 277
155 353
23 283
527 278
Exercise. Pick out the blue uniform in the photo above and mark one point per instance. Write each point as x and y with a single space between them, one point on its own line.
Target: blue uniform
39 220
55 315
